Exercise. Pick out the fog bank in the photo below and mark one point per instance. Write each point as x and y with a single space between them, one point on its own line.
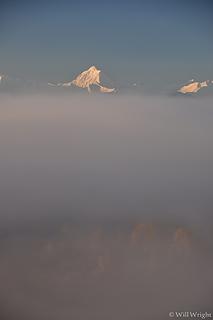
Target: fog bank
78 175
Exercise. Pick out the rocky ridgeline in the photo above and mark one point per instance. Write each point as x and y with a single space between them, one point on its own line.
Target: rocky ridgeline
91 80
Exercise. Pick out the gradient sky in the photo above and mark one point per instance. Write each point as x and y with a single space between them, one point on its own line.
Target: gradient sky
145 41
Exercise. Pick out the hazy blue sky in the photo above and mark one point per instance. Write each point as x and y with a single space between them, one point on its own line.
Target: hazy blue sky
152 41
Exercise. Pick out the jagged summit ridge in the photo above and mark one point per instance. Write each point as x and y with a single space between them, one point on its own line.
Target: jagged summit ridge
194 86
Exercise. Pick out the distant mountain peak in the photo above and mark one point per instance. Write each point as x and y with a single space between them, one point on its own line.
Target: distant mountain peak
87 78
194 86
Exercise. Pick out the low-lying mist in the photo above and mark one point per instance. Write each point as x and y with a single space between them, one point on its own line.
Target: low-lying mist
106 207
